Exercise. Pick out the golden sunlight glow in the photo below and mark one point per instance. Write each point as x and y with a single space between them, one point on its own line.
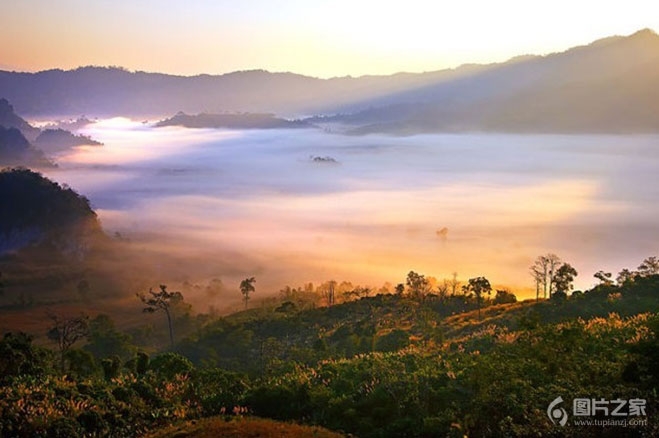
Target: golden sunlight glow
321 39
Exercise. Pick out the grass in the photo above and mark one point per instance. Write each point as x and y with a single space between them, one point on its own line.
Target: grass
241 428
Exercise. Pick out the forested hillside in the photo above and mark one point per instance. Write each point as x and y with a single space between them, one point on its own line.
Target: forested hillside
41 212
389 365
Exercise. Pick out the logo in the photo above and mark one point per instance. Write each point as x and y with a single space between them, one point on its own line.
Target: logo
556 414
600 412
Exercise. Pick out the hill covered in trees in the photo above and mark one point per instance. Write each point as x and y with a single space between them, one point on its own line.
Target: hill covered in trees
55 140
42 213
404 364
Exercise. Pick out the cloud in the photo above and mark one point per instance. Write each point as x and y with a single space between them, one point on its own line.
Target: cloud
232 204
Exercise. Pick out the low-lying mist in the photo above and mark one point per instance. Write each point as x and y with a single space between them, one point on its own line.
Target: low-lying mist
297 206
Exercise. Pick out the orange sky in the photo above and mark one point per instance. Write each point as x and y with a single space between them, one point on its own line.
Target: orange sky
316 38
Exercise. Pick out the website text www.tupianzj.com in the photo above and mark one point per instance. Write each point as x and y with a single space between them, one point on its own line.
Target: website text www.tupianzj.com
624 422
600 412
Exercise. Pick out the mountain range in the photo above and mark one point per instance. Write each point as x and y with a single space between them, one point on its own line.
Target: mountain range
610 85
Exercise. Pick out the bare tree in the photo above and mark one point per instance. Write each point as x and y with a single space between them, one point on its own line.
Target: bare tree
247 287
543 271
162 301
454 283
327 290
67 332
443 288
539 278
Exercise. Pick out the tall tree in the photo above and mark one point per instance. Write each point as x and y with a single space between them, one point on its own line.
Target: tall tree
543 271
246 288
478 286
454 283
162 301
539 278
67 332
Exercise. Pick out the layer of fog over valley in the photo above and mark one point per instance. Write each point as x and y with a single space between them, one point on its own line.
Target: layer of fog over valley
305 205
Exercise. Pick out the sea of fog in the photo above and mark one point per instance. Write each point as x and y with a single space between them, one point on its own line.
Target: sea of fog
243 203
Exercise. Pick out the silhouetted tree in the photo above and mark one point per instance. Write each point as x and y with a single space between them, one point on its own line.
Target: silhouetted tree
650 266
478 286
604 278
162 300
624 277
417 284
400 288
67 332
442 289
563 278
247 287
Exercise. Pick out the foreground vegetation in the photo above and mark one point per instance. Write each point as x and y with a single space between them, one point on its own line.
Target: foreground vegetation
390 365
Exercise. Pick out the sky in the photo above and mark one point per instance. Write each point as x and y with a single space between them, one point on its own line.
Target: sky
317 38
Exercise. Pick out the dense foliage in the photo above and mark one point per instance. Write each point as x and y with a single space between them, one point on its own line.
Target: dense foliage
39 211
493 376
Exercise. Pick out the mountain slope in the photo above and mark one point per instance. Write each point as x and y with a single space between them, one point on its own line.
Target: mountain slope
9 119
15 150
609 85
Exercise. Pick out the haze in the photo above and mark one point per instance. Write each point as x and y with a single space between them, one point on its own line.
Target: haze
321 39
235 203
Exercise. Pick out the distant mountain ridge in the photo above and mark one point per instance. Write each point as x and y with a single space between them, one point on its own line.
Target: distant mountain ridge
231 121
56 140
610 85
